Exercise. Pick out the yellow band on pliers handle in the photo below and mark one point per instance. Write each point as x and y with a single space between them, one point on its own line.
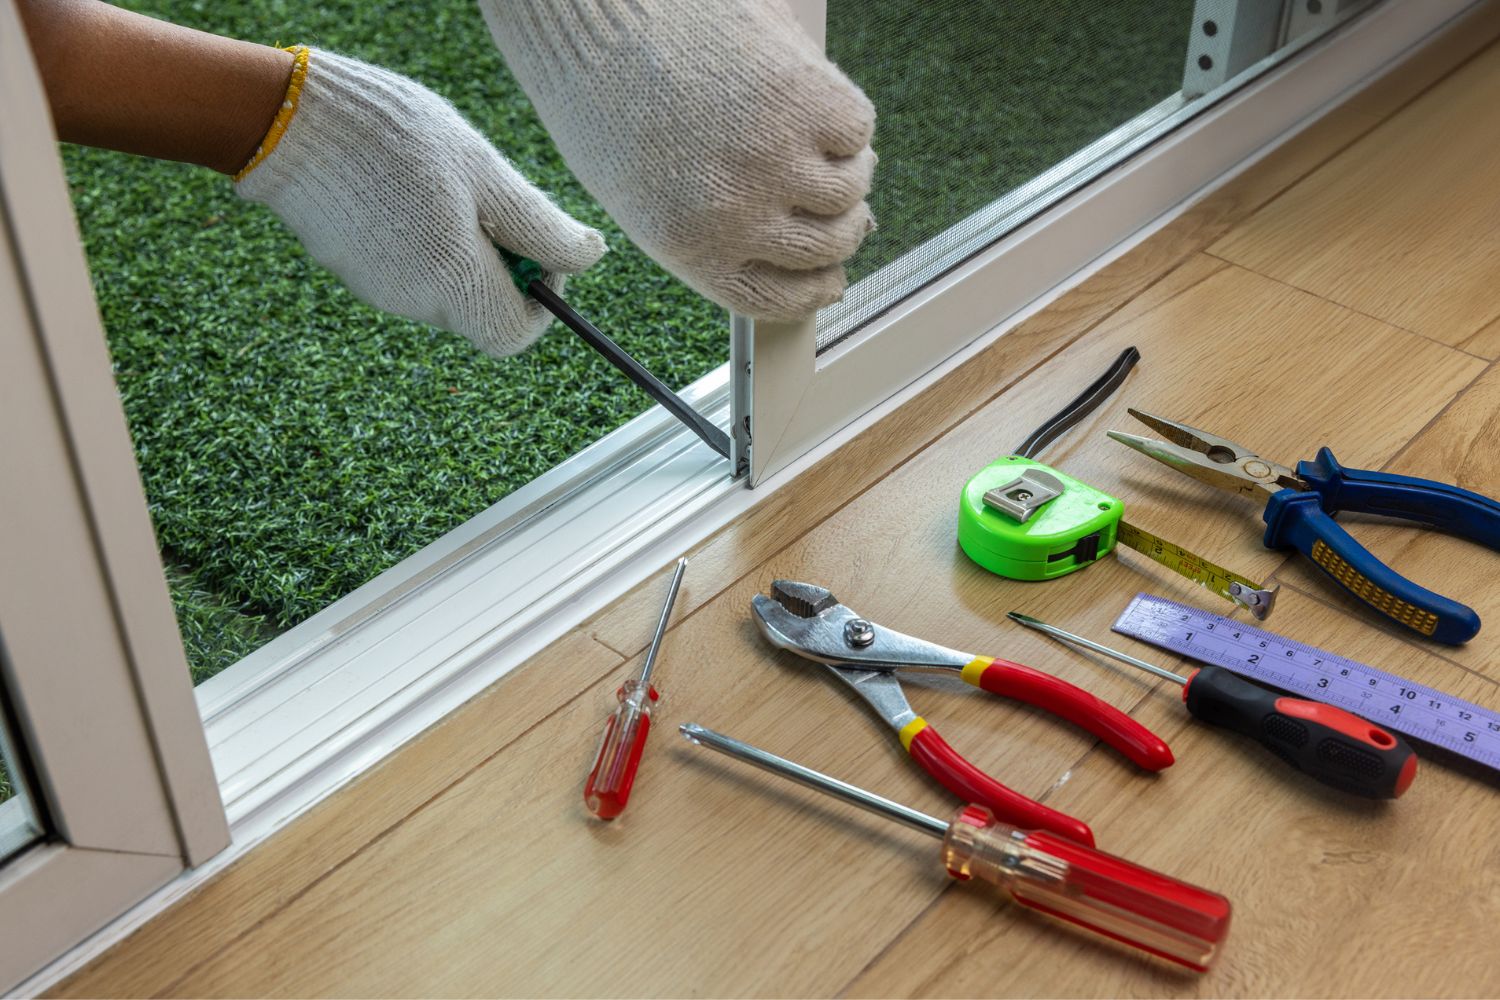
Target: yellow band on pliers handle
975 668
910 730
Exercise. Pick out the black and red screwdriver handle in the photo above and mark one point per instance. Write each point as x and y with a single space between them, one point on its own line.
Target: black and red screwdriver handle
1327 743
1014 680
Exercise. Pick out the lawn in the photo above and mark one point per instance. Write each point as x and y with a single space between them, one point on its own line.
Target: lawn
294 443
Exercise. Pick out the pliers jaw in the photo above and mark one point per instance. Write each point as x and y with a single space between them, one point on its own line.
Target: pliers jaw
808 620
1211 459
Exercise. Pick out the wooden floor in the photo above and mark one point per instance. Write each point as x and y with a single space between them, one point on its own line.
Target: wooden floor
1346 291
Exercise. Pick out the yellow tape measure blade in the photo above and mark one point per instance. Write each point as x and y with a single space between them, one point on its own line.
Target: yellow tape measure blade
1211 576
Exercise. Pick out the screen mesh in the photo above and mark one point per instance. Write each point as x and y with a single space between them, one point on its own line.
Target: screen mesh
977 100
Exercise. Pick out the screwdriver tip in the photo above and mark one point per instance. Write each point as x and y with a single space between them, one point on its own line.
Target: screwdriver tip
1016 616
691 732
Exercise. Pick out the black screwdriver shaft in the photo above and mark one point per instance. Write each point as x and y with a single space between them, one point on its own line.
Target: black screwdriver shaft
633 369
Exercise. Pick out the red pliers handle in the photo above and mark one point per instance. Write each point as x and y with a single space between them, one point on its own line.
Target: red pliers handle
1013 680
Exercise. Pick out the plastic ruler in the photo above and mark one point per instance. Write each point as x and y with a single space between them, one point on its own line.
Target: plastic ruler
1394 702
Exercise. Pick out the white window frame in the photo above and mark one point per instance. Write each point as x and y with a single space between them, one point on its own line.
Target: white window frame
800 397
88 646
414 643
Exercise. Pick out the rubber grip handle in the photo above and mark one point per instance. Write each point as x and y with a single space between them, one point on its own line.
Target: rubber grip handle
1297 520
1327 743
1067 701
1453 509
972 785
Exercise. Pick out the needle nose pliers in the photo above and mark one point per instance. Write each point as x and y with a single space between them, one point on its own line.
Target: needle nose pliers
1299 514
808 620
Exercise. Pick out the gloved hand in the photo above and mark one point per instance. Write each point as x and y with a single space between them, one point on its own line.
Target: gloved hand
389 188
717 135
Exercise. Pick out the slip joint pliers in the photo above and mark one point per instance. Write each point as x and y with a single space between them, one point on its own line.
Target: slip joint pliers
808 620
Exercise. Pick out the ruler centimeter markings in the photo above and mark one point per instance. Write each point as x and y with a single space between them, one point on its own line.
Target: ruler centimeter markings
1411 709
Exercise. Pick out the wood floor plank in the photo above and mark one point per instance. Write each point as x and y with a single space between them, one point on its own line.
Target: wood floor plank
283 868
497 886
1333 896
1403 225
1463 447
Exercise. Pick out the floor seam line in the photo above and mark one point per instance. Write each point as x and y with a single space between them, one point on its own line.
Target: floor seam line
1358 312
1463 391
906 928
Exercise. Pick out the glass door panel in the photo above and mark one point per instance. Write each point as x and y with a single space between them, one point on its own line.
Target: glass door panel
19 823
989 113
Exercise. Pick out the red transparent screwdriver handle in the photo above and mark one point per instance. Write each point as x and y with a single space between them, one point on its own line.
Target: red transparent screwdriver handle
1139 907
608 786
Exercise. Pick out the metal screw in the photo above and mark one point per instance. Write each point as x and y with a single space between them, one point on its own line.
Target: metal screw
858 632
1020 495
1258 469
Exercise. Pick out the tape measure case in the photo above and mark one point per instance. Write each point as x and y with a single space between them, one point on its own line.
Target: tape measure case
1024 520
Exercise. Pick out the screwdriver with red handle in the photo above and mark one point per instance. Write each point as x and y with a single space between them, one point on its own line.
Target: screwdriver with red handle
613 775
1039 869
1322 741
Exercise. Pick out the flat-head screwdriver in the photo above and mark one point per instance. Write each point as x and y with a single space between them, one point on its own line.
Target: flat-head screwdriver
1336 747
1040 870
527 275
613 775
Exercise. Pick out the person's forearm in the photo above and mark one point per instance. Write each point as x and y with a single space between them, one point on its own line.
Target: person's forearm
129 82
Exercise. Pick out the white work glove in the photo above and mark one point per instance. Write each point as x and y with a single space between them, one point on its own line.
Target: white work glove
720 138
388 187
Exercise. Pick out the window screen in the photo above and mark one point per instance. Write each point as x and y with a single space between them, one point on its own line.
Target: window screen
984 110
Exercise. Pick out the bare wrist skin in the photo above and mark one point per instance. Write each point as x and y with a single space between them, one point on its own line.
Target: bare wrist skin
127 82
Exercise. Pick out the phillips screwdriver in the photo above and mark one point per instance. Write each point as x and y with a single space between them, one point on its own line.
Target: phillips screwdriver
1039 869
1336 747
613 775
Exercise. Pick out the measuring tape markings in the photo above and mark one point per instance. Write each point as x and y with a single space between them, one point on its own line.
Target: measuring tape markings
1407 706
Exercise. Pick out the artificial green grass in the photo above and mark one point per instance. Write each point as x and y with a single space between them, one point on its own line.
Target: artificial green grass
294 443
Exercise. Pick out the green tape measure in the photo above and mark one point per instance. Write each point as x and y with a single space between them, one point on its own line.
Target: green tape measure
1024 520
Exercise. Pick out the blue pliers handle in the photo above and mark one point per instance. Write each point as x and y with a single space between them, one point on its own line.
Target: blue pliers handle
1303 520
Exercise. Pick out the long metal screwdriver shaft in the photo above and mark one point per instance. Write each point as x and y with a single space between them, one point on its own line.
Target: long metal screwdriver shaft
708 432
661 624
852 794
1037 868
1079 640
